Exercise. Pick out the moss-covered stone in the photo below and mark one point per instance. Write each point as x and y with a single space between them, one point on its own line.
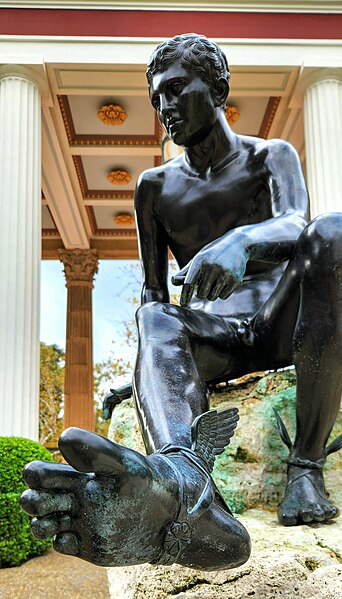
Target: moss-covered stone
252 470
124 426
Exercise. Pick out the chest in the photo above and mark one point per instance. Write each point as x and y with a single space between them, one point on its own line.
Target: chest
196 210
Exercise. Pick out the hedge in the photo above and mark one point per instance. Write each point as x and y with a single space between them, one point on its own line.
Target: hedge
16 541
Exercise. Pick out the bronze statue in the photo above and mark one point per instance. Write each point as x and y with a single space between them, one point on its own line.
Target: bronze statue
261 289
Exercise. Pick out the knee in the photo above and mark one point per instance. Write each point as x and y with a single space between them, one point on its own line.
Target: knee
152 311
155 317
320 244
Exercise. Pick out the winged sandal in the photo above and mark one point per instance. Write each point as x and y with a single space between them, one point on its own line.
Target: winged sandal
211 433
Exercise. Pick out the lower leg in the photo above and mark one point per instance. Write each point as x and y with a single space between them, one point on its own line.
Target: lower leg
317 357
170 393
168 389
318 337
179 350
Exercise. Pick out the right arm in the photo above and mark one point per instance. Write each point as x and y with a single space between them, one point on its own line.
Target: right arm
152 239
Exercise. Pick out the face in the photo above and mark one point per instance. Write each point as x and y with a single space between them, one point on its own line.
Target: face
184 104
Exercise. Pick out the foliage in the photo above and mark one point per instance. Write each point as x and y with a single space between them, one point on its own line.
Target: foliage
107 372
51 393
16 542
105 375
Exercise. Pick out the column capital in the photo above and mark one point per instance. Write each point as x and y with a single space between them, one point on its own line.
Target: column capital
35 75
309 77
317 76
80 266
17 71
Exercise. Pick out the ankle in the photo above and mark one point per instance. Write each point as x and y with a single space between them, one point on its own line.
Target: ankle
299 462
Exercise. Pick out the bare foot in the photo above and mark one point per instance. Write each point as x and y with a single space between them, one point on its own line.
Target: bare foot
305 498
113 506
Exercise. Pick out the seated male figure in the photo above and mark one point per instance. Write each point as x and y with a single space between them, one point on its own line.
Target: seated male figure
261 289
260 286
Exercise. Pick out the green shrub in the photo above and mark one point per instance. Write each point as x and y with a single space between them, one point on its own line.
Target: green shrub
16 541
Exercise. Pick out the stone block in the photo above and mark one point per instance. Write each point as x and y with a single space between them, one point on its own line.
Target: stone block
252 470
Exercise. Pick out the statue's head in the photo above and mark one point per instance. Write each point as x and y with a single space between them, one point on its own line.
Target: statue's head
195 53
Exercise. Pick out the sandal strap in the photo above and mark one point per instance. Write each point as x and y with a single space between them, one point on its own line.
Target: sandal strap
308 464
334 446
178 532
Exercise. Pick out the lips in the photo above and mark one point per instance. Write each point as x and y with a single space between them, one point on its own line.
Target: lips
173 124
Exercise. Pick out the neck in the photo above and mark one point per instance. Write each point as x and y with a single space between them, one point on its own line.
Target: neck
217 147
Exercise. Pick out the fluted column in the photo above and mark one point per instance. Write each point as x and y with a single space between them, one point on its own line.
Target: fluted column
80 267
323 135
20 250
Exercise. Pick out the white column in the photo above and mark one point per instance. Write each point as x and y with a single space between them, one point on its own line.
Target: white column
323 135
20 245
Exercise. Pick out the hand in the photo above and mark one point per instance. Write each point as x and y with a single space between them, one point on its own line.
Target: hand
214 272
99 508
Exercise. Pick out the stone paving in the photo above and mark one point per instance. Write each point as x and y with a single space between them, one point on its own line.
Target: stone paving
54 576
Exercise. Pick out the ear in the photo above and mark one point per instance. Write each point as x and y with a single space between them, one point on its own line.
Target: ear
221 91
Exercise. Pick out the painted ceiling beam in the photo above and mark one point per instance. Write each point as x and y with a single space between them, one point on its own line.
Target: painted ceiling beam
326 6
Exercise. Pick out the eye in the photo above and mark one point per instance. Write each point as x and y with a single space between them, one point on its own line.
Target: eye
155 103
176 87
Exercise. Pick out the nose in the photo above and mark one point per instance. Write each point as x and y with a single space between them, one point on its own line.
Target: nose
165 105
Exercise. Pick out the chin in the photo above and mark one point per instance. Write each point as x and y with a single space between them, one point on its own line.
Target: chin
179 139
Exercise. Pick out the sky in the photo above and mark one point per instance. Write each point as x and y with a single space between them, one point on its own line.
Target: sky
115 284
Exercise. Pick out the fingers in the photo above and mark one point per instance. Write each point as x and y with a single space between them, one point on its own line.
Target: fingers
189 276
48 475
49 526
226 291
191 281
211 281
89 452
179 278
40 503
67 543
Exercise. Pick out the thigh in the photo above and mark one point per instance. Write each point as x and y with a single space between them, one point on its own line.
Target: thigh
215 341
274 324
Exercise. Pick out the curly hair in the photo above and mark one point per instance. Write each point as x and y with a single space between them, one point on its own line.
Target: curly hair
195 52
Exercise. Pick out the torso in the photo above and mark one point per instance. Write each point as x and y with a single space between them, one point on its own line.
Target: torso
195 210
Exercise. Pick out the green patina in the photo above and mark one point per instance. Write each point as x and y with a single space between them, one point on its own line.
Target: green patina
251 472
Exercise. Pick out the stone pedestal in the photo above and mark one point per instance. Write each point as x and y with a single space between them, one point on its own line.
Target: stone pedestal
301 561
79 268
251 472
20 250
323 134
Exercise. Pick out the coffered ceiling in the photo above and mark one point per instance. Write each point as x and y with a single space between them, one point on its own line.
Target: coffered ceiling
100 133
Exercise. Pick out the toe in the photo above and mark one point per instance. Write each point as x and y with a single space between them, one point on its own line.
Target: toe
49 526
39 503
319 514
306 514
287 517
332 511
67 543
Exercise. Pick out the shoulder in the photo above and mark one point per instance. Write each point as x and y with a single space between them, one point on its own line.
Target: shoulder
148 185
268 147
151 182
156 175
274 154
278 151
